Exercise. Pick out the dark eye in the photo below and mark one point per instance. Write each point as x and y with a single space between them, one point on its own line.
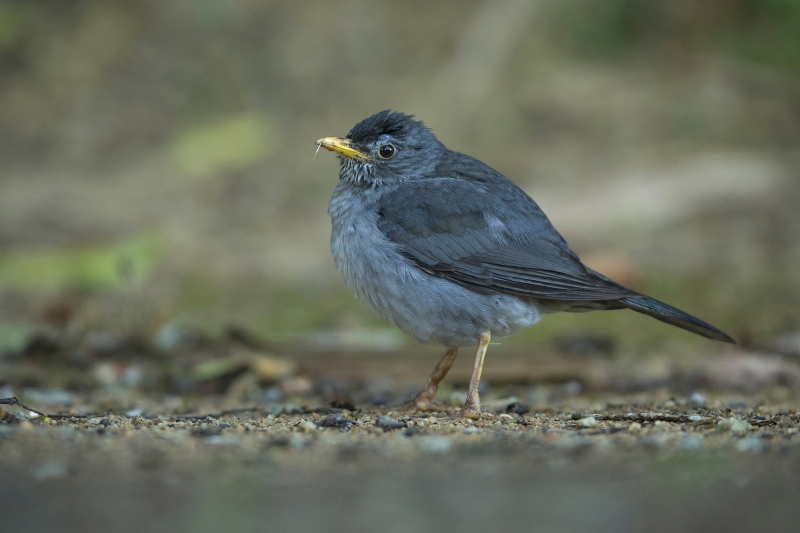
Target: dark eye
387 151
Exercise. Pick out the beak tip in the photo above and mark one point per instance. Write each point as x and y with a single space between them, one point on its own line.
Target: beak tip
343 147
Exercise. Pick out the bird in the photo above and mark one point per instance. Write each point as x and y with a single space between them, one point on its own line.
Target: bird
453 253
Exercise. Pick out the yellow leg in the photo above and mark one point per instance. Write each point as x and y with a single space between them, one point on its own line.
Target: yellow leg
424 400
472 407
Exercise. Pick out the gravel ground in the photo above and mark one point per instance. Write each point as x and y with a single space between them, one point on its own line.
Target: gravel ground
637 462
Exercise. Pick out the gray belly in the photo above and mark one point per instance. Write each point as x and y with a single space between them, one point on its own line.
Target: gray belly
430 309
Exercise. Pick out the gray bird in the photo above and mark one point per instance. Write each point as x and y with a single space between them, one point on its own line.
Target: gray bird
452 252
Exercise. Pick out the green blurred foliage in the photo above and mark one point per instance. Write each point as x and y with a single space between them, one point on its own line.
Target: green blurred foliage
89 268
765 32
599 30
11 26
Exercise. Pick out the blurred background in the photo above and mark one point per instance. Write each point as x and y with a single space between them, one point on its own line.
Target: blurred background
159 188
164 254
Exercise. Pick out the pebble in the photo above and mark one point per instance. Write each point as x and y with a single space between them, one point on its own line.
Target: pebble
734 425
337 420
471 430
306 425
388 423
588 422
272 394
292 409
697 400
517 408
410 432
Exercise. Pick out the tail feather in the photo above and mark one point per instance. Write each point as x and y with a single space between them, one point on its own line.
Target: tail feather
676 317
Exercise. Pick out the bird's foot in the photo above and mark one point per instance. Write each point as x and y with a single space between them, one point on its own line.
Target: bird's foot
424 405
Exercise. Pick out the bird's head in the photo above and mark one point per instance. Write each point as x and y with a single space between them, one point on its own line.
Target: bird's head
386 148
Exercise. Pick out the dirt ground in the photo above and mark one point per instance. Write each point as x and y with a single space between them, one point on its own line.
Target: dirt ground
703 444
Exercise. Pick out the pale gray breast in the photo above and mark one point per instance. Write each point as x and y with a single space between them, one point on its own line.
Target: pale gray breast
431 309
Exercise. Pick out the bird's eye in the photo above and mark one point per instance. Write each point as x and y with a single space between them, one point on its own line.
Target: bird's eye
387 151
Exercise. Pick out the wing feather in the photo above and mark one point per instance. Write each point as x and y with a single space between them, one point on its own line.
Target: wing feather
453 239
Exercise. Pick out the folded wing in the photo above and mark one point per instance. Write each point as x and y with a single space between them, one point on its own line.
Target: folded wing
457 228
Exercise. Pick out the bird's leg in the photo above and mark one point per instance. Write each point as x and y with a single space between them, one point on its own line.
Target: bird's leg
423 401
472 407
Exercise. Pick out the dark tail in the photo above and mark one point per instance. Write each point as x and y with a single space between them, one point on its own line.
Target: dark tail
676 317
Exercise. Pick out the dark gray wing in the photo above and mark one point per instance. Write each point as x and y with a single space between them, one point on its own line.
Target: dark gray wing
483 232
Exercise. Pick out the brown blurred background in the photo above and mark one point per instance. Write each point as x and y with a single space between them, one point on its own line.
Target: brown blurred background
159 180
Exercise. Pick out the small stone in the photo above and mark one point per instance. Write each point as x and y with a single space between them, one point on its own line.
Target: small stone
663 425
388 423
276 410
695 418
697 400
471 430
336 421
734 425
292 409
517 408
272 394
94 421
410 432
588 422
306 425
635 427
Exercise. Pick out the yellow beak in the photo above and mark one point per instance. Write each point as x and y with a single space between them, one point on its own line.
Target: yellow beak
342 146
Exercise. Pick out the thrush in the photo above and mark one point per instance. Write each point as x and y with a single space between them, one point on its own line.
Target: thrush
453 253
